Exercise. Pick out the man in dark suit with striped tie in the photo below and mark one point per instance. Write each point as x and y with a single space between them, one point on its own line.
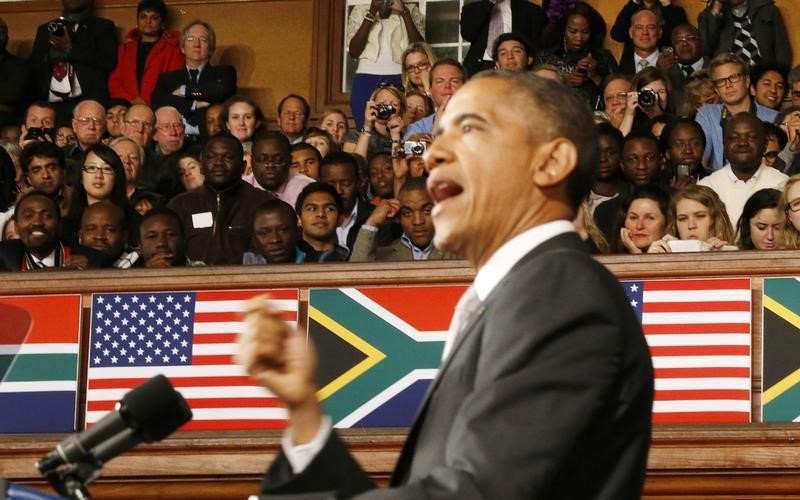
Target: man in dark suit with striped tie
193 89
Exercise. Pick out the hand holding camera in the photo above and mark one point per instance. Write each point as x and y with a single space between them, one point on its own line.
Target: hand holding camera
58 33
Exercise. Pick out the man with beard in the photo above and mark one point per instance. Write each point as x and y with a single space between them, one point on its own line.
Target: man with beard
39 247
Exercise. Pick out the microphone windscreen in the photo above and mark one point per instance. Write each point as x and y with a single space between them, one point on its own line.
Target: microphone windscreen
155 409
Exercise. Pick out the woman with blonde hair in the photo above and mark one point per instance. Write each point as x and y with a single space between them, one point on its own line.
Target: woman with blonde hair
789 210
418 59
696 213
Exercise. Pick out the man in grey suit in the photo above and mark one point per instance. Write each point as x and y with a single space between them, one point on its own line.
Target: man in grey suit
546 386
413 207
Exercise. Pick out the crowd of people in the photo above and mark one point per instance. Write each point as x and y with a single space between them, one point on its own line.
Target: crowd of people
144 154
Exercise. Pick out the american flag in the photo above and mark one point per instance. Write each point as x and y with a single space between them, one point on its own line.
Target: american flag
190 338
699 337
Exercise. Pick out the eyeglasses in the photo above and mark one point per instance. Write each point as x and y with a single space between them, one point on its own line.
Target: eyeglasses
166 127
794 205
85 120
416 68
194 38
720 82
139 123
66 138
94 169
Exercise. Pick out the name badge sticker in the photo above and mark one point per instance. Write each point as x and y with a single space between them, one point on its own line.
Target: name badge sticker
201 220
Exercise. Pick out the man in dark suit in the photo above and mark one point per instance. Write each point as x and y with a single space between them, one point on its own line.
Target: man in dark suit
487 19
688 59
546 386
72 57
37 216
341 171
193 89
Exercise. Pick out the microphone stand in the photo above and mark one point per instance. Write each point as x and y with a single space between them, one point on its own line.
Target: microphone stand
71 481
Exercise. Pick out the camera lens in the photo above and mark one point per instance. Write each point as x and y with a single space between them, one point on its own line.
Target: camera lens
418 148
384 111
647 98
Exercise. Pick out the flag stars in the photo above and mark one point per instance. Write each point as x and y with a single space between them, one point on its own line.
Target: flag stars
123 351
106 337
115 329
135 299
187 298
166 359
150 329
167 328
125 306
96 360
108 322
125 322
168 314
115 344
183 359
186 314
124 336
157 350
142 321
116 314
634 303
108 307
131 344
185 328
114 359
142 306
170 298
98 345
184 343
160 306
98 330
152 299
131 359
159 321
148 359
106 352
99 315
634 288
140 352
141 336
100 299
175 350
158 336
149 343
176 336
151 314
117 299
167 343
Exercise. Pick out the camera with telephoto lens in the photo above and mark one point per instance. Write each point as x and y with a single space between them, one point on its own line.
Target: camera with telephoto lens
416 148
40 133
58 27
384 111
647 98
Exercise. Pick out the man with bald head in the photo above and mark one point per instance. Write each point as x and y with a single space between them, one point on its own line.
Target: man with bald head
576 381
160 172
744 140
103 228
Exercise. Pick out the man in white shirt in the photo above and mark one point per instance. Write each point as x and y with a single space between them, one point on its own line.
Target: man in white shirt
546 387
644 32
744 140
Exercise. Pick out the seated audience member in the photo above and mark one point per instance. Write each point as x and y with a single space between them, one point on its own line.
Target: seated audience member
686 61
37 216
789 209
148 50
275 235
447 76
587 229
38 124
413 207
162 240
45 169
649 99
89 124
641 166
417 59
217 218
732 81
144 201
14 84
418 106
10 230
242 117
607 177
636 30
696 213
583 65
744 143
683 143
512 52
642 219
115 117
700 90
383 123
789 121
320 211
341 171
139 124
753 30
192 89
159 172
190 171
65 136
213 123
768 84
759 227
103 229
72 63
381 178
271 160
776 142
10 132
615 98
335 122
322 140
305 160
132 156
293 114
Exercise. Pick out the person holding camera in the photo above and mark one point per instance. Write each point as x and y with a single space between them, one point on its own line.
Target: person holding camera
72 57
383 123
648 100
377 35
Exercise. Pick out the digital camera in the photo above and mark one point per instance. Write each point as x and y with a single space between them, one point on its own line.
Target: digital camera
39 133
647 98
58 27
384 111
416 148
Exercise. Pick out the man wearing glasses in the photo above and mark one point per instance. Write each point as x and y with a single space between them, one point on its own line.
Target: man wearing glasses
89 124
688 59
193 89
160 172
732 83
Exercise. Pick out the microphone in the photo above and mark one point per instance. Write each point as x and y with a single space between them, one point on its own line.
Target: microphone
149 412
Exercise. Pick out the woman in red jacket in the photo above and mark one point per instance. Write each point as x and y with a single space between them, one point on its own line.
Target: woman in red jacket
148 51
